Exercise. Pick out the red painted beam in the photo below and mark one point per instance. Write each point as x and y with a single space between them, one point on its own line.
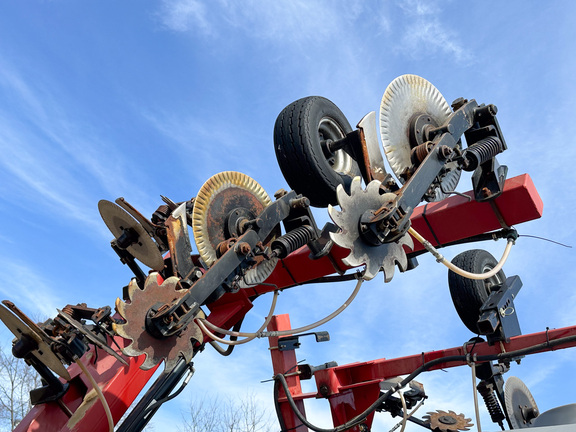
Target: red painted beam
341 378
120 385
457 218
452 219
284 362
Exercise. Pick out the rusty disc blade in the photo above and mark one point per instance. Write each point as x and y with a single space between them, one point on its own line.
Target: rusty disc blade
134 311
218 199
144 249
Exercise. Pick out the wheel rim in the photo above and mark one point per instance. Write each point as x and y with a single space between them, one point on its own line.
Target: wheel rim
339 161
494 280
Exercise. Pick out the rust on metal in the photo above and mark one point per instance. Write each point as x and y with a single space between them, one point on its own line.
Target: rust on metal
223 206
370 148
169 348
243 248
179 243
227 205
223 246
19 324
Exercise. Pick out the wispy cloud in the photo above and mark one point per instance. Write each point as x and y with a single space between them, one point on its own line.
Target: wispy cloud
424 37
29 290
303 23
425 34
49 157
281 20
185 15
196 140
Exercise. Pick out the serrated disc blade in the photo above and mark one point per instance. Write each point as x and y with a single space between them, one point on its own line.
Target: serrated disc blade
119 305
376 258
516 397
156 292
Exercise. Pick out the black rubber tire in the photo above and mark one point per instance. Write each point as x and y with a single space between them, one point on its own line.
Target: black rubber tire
299 132
469 295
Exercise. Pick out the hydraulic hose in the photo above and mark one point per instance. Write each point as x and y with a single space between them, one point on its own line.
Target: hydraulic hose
249 336
204 324
320 322
99 393
440 258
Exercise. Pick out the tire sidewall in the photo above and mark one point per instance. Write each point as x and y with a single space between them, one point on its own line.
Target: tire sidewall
299 150
469 295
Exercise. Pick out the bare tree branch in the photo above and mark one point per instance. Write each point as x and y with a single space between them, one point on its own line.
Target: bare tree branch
226 415
16 381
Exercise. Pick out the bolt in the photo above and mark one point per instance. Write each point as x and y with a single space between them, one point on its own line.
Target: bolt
458 103
444 152
279 193
324 390
301 202
447 420
243 248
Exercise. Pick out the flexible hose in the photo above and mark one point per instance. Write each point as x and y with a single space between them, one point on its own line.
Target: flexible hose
260 333
475 393
162 401
202 323
405 411
477 276
99 393
406 418
320 322
226 352
239 333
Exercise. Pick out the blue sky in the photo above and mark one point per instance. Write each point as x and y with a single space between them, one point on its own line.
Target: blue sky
136 99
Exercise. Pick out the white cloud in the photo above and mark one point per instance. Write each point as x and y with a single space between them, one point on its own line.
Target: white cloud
424 34
418 7
425 37
49 157
285 21
29 290
185 15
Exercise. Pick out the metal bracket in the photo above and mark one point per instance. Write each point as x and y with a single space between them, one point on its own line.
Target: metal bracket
498 318
290 343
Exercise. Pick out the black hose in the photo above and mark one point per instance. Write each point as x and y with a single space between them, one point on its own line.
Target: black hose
159 402
226 352
277 407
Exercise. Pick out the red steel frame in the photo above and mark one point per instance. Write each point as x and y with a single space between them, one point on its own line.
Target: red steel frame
449 220
120 384
352 388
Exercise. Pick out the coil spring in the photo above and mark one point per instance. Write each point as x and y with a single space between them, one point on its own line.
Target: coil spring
161 214
295 239
419 153
487 392
482 151
68 310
